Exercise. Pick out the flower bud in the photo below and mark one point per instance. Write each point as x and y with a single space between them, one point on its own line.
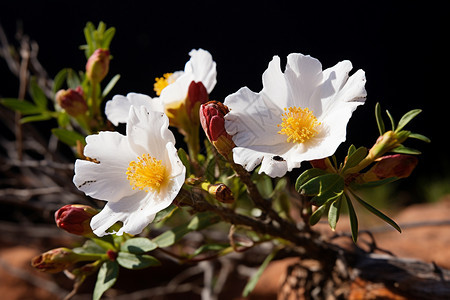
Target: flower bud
397 165
221 192
197 95
75 219
55 260
72 101
97 65
212 119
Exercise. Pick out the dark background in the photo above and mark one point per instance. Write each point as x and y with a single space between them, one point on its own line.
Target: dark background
401 45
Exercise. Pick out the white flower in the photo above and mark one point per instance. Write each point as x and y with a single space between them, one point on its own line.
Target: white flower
200 68
138 174
118 108
299 115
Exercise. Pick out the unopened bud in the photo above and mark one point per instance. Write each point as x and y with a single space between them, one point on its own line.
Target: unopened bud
72 101
97 65
197 95
388 141
75 219
221 192
55 260
397 165
212 119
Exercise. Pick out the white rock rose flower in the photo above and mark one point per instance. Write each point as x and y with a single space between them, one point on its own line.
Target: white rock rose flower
299 115
138 174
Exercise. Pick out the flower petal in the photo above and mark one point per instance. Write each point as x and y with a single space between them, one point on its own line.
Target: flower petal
106 180
117 109
148 132
203 68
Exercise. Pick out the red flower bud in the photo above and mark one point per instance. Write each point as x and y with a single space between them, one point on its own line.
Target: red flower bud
212 119
197 95
97 65
72 101
397 165
75 219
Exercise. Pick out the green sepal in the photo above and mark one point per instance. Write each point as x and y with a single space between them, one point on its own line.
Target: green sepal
306 176
107 276
136 261
138 245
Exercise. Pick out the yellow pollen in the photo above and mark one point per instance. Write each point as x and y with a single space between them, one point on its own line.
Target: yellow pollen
161 83
146 173
298 124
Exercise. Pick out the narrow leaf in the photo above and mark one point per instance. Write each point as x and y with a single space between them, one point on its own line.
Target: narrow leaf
334 212
35 118
372 184
391 119
405 150
407 118
110 85
38 95
107 276
59 80
324 184
377 213
24 107
355 158
68 137
353 219
254 279
380 123
419 137
317 214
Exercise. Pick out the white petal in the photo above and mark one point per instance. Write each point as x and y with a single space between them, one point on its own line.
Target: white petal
148 132
106 180
203 68
274 84
252 119
117 109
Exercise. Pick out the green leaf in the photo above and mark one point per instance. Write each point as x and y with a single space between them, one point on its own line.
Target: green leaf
59 80
351 149
185 161
355 158
407 118
198 222
136 261
107 37
419 137
24 107
38 95
73 80
377 212
35 118
405 150
323 185
334 212
308 175
107 276
263 184
165 213
89 247
68 137
210 171
353 219
391 119
138 245
210 247
254 279
380 123
110 85
317 214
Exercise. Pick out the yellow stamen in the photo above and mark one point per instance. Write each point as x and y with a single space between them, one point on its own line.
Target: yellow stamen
161 83
146 173
298 124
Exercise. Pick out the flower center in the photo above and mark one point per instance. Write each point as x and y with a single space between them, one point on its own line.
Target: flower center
161 83
298 124
146 173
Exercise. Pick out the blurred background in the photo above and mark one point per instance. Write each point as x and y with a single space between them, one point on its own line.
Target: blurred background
401 45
